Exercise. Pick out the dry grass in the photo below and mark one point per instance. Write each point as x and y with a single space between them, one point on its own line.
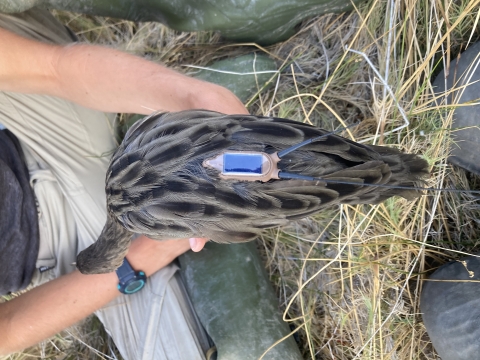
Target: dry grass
348 278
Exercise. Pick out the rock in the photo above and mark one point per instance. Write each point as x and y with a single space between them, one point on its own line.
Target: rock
18 6
235 302
466 149
451 309
260 21
246 85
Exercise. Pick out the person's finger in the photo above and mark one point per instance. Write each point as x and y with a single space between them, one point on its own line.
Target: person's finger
197 244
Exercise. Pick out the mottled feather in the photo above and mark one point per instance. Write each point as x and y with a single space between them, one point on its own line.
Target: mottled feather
156 184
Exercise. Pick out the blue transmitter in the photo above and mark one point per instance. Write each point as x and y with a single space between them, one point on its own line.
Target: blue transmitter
252 165
242 163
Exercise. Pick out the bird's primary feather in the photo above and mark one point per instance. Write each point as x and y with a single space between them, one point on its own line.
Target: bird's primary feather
156 184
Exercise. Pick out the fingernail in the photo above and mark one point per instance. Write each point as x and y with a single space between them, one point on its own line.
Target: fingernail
193 243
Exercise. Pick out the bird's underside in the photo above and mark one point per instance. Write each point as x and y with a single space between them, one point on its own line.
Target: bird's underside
157 185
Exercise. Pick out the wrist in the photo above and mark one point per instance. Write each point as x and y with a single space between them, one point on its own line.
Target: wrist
130 280
150 255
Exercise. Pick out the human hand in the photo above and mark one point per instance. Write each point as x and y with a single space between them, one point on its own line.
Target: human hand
216 98
151 255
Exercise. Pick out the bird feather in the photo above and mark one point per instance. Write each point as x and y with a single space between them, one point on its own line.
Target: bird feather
157 185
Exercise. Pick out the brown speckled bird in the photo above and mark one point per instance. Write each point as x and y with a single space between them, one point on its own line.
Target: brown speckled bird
157 184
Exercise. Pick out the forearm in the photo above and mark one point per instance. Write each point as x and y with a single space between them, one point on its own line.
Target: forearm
25 65
47 309
104 79
109 80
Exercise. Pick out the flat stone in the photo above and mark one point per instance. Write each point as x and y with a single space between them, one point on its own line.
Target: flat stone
451 309
242 75
465 71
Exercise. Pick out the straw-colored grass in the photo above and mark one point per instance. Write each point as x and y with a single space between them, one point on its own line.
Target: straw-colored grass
349 278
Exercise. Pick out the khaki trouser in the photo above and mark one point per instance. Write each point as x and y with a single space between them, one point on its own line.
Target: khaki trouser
67 149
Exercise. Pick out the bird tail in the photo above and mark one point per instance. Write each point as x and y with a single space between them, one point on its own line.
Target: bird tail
393 169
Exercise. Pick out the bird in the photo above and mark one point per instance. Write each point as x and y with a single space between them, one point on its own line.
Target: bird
161 183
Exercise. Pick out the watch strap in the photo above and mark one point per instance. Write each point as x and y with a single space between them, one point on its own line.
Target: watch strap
125 270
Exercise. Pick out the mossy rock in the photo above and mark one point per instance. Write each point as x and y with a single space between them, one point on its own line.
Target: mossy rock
235 302
243 75
260 21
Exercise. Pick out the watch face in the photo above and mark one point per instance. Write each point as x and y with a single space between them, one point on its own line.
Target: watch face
130 281
134 286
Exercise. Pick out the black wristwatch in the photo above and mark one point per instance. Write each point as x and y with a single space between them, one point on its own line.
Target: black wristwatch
130 281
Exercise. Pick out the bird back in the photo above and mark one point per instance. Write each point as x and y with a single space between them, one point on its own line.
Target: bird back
157 183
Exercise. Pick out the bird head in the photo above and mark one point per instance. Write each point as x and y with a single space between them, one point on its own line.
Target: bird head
108 252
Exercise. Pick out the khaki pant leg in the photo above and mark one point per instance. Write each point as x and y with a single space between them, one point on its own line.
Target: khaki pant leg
159 319
68 148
